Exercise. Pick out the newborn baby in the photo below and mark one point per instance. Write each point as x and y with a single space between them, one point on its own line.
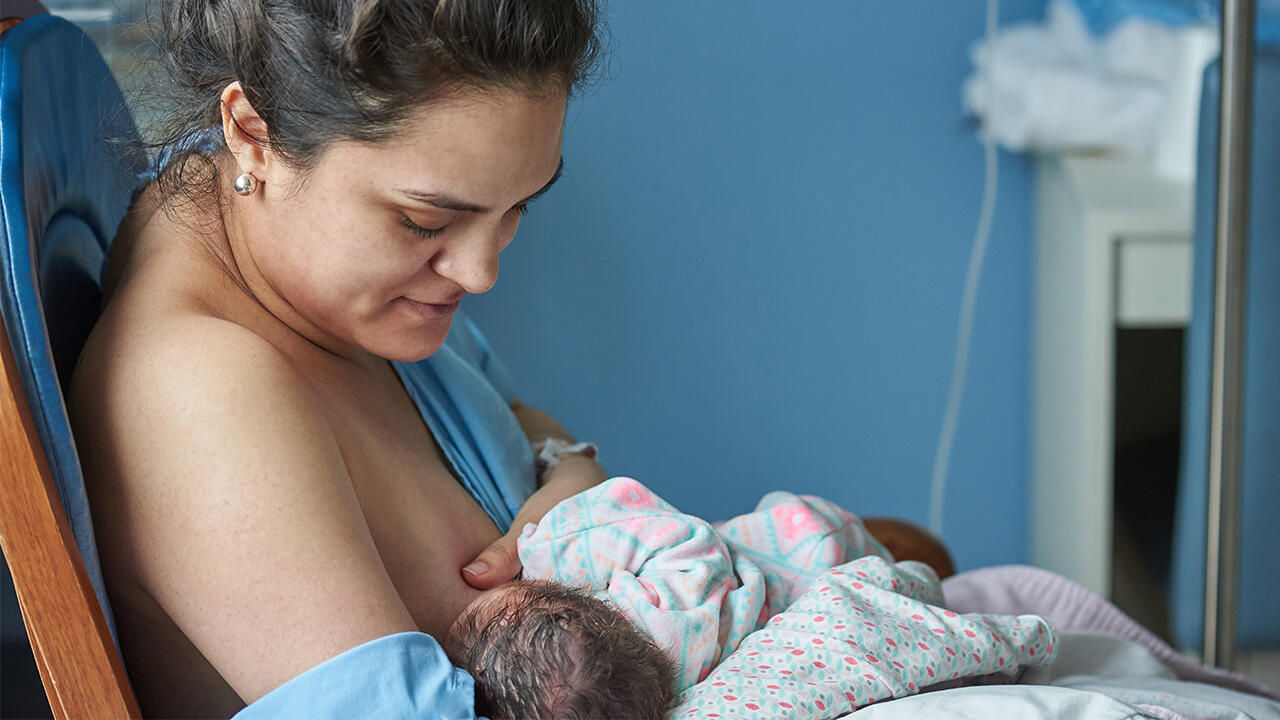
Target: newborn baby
793 607
539 649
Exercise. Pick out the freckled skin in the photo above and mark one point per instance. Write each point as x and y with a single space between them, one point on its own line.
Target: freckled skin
265 493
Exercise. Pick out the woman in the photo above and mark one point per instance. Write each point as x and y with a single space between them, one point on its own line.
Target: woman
266 492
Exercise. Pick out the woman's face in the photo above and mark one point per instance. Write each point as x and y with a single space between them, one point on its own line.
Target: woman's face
374 249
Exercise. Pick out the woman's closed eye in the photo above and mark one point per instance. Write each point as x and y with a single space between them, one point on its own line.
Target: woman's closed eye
419 230
520 210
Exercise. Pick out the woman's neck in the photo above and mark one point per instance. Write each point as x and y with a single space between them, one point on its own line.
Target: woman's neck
243 226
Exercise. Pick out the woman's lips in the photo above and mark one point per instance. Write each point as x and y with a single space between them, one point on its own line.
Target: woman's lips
433 311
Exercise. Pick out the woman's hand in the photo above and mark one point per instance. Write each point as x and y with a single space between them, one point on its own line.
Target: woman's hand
500 562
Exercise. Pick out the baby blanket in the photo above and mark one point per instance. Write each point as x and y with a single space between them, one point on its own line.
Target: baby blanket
848 625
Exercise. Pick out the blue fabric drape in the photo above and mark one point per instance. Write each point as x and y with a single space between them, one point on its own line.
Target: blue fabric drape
464 393
398 676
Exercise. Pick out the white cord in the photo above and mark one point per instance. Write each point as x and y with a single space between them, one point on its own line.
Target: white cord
942 457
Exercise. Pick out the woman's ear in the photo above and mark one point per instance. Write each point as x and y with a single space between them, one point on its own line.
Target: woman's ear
246 133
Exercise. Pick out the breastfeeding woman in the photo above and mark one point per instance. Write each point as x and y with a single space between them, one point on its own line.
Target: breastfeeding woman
294 443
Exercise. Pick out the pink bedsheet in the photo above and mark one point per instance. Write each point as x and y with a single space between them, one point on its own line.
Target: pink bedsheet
1021 589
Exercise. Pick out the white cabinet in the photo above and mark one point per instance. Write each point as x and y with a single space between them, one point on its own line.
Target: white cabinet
1112 249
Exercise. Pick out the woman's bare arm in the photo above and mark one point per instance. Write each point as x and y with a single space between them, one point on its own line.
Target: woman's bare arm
231 493
538 425
500 562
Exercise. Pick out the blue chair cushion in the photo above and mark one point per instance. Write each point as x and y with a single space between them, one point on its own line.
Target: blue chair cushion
66 177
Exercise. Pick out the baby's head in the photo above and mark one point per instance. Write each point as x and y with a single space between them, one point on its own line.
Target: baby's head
541 650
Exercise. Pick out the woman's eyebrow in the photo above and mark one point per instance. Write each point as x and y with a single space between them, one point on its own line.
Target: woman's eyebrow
448 202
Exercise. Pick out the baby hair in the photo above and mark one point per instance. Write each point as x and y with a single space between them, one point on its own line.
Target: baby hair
552 651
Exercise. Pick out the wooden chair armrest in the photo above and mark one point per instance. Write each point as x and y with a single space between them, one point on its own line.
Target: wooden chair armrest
81 670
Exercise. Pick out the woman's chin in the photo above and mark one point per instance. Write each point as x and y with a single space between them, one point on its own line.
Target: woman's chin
412 345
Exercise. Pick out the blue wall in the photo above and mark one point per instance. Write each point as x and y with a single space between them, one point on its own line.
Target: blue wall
750 276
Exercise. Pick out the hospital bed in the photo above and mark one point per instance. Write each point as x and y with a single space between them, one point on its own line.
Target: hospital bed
64 191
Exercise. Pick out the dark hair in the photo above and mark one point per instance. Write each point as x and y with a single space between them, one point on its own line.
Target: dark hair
325 70
552 651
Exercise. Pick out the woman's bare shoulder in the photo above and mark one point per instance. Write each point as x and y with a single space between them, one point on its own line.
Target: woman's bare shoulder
222 492
157 395
171 324
165 354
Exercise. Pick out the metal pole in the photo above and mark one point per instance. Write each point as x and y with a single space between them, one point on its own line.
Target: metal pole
1235 114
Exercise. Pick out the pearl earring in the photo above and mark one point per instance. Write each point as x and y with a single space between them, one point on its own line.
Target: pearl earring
245 184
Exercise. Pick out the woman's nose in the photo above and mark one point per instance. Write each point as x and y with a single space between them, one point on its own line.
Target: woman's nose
470 260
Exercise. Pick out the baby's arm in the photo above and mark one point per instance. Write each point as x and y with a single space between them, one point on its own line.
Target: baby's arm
795 538
911 579
667 572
